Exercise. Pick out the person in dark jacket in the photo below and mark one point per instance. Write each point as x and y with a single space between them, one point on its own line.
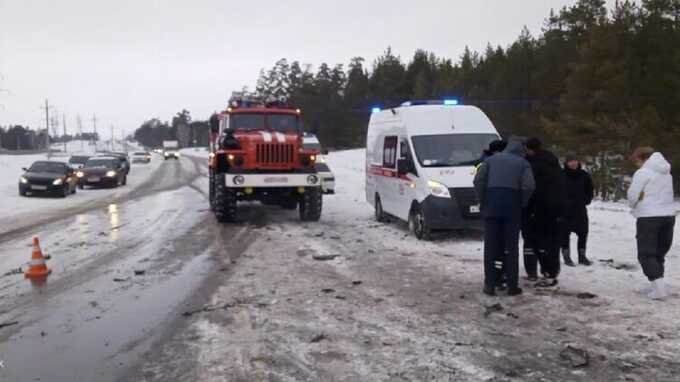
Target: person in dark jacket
545 213
579 187
504 183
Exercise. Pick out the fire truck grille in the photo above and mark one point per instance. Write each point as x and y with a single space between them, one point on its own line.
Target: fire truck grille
275 153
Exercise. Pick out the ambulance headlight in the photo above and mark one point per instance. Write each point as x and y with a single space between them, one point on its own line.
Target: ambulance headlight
437 189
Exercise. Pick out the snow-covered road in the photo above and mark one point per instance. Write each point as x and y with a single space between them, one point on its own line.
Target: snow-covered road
249 302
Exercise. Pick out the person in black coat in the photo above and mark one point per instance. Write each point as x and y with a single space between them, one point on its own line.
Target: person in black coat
579 186
544 214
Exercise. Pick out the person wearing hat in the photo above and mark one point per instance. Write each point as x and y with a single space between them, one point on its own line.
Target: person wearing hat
579 186
504 184
651 198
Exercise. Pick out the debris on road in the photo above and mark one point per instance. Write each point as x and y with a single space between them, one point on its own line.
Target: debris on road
327 290
16 271
495 308
576 357
357 282
119 280
324 257
586 295
318 338
4 324
140 272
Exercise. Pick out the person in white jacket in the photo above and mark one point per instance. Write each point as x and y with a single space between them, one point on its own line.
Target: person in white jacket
651 197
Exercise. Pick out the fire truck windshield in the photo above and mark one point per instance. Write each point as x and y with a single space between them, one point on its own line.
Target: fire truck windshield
278 122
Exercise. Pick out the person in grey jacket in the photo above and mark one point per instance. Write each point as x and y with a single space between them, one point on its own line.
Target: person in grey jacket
504 184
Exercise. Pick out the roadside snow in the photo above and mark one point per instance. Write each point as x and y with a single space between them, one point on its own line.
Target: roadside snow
390 307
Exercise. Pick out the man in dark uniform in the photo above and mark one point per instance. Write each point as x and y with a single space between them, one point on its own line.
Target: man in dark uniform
545 211
504 183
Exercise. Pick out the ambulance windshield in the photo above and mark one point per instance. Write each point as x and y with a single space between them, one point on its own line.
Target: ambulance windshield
450 150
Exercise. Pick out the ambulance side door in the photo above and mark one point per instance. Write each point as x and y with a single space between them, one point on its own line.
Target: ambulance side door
389 181
406 190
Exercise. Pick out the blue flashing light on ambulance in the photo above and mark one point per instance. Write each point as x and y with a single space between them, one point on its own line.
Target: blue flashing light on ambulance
420 164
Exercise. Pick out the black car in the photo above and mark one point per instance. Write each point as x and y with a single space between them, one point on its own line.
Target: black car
48 177
123 157
102 172
78 161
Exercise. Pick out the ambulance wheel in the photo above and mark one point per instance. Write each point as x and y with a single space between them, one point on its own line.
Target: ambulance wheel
311 204
224 201
417 224
379 212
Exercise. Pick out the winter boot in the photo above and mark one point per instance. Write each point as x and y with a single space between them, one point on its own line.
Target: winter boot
659 291
489 291
546 283
582 259
516 291
566 254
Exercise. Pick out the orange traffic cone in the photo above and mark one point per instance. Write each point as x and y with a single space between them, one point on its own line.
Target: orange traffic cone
37 269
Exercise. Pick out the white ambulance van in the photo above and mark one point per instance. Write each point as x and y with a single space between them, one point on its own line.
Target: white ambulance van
420 162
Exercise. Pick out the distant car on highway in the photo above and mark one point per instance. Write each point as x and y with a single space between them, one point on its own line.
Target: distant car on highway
78 161
49 177
311 142
141 157
102 171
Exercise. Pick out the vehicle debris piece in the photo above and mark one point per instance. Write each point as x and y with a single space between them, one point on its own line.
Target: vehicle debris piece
495 308
324 257
4 324
576 357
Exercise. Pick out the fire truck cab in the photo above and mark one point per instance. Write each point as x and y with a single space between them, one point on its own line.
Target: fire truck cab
257 155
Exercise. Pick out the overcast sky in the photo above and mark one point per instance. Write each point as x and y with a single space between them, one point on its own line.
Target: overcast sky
131 60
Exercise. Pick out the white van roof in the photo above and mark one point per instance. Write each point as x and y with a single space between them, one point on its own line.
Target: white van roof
436 119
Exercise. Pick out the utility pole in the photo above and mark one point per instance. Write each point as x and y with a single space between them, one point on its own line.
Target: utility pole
80 130
94 133
112 140
64 125
47 127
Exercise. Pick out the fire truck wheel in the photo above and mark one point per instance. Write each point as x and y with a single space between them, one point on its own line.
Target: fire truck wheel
310 205
211 191
224 202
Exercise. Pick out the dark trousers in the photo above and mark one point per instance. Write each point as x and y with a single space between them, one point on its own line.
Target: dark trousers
529 233
501 251
542 244
578 224
654 240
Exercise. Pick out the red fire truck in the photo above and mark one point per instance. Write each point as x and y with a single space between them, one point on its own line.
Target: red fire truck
257 155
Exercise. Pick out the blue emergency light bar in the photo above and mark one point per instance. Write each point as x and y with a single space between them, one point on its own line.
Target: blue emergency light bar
375 110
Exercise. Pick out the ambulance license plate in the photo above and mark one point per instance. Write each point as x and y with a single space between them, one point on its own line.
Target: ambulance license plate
474 209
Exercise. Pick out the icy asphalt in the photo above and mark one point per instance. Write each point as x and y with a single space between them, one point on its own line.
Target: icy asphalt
147 287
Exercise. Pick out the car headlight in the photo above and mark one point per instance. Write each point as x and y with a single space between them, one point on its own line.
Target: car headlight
437 189
58 182
80 174
23 180
111 174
